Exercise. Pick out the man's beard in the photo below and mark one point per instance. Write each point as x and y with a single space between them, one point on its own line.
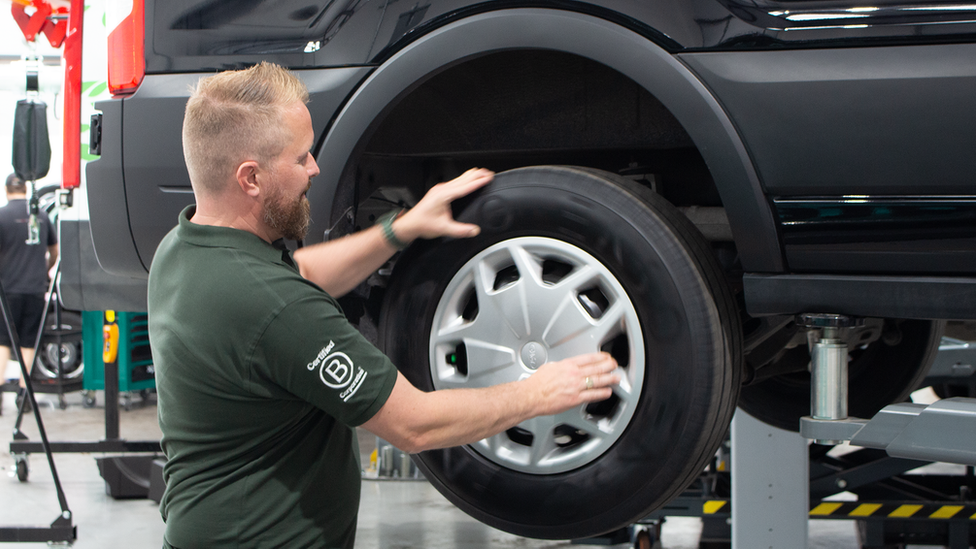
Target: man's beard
291 220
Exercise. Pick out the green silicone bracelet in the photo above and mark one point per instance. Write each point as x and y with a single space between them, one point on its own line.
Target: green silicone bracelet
386 222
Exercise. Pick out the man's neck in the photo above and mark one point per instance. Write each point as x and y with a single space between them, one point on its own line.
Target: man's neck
210 213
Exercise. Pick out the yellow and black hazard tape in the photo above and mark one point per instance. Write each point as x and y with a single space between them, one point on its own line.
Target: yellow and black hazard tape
716 507
859 510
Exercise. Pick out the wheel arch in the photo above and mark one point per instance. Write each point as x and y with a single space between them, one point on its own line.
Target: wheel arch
620 49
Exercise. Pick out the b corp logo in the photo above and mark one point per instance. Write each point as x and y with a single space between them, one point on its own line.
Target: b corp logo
336 371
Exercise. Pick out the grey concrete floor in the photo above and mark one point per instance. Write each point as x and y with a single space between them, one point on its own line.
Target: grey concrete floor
393 514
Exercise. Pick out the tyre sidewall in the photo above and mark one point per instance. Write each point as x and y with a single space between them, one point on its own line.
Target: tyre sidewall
683 339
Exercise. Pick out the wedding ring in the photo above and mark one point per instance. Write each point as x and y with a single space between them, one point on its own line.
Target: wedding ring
589 382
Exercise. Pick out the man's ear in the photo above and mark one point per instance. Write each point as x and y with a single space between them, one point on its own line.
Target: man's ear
247 178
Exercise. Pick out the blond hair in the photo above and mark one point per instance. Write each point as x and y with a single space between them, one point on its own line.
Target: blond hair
235 116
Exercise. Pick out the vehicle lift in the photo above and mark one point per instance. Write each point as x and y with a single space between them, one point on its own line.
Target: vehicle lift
768 502
944 431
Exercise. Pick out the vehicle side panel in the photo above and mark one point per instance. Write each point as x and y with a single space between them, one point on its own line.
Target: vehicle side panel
866 152
862 121
154 186
719 25
199 35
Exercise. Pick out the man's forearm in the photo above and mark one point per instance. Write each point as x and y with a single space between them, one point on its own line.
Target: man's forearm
340 265
454 417
414 421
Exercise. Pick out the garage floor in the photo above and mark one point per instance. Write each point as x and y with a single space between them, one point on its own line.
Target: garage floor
393 514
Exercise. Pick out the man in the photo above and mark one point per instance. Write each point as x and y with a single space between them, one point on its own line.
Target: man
250 347
23 271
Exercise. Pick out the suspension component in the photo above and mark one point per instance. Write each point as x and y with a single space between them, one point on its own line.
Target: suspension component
828 368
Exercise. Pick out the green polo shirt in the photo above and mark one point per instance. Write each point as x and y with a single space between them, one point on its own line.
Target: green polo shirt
260 379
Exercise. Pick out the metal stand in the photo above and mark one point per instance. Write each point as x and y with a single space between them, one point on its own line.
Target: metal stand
894 505
20 447
111 444
770 497
943 431
61 530
118 484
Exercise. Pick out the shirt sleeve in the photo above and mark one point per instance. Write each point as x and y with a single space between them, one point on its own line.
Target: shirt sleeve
312 351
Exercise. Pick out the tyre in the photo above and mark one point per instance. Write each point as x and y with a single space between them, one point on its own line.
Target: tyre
571 261
883 370
60 344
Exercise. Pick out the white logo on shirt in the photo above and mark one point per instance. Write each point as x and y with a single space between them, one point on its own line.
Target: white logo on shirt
337 371
321 356
360 377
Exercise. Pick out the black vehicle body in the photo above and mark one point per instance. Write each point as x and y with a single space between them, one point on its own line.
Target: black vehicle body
762 159
838 140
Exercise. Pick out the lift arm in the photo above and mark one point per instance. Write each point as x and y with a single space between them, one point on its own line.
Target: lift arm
942 431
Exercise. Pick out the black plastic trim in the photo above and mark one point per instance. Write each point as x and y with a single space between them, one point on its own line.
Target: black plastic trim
900 234
107 201
84 284
869 296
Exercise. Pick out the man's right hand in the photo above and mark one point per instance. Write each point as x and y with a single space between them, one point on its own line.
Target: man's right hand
558 386
414 421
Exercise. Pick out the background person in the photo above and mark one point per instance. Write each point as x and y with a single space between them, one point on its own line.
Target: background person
24 272
260 378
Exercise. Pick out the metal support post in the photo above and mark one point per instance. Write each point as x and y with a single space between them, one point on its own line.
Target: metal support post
770 486
829 377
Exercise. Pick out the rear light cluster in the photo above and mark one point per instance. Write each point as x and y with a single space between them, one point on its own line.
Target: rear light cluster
126 45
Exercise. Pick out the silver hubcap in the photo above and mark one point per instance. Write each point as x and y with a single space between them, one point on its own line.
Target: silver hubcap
519 304
67 354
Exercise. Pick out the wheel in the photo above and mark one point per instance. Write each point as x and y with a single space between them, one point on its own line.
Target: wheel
888 359
89 399
571 261
68 352
23 470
